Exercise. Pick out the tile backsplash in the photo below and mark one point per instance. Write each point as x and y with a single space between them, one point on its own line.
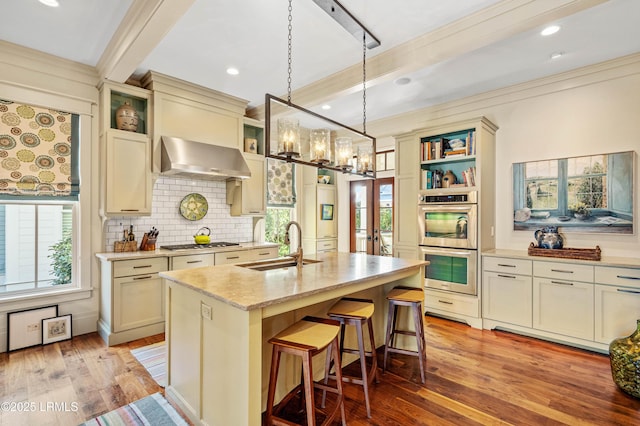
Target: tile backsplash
168 192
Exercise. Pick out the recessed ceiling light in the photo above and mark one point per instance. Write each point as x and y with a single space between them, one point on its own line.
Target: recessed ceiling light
50 3
326 107
232 71
402 81
556 55
552 29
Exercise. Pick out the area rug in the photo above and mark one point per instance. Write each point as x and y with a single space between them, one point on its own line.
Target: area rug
152 410
153 359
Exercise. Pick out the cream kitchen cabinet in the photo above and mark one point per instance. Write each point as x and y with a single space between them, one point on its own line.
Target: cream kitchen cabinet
251 255
128 184
507 290
247 197
319 219
192 261
617 302
125 172
132 299
263 253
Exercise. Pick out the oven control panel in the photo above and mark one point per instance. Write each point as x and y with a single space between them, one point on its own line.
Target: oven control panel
443 198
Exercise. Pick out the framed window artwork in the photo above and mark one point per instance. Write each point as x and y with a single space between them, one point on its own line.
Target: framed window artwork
327 211
56 329
24 328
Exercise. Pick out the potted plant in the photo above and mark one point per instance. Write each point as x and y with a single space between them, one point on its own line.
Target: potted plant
580 210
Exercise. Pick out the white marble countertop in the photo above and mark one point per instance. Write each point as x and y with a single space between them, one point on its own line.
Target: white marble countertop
170 253
249 289
626 262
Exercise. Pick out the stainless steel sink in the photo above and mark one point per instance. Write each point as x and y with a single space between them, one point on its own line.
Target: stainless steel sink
282 262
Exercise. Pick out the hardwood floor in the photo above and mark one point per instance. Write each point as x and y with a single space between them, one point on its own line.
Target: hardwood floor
474 377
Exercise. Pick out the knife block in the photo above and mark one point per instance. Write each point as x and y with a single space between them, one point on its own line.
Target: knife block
148 244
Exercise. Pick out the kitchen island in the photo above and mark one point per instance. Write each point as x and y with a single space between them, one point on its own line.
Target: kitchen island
219 319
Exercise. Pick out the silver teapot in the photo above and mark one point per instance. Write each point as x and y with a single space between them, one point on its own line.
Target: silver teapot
549 238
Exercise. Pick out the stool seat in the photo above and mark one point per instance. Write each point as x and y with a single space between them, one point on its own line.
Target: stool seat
356 312
352 308
406 294
307 334
306 338
412 298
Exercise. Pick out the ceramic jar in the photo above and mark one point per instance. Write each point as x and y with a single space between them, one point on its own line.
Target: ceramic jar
127 117
624 354
549 238
448 179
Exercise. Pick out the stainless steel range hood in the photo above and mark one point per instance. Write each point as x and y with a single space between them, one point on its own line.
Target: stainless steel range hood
197 160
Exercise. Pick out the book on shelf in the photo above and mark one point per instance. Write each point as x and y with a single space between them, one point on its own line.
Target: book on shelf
456 153
427 179
470 145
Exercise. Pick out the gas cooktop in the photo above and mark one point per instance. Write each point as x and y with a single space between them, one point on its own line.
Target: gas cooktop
199 246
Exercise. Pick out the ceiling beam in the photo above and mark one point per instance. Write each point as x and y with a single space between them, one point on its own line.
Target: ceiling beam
483 28
145 24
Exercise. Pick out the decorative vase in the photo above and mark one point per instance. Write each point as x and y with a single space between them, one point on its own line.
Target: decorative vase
549 238
127 117
448 179
624 354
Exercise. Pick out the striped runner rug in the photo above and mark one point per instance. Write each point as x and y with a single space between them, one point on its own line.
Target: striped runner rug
154 359
152 410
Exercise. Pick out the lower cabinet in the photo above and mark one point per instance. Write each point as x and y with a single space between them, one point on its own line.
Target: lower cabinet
575 302
507 297
564 307
132 299
192 261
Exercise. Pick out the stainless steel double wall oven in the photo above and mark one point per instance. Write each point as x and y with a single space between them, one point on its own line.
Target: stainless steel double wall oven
448 226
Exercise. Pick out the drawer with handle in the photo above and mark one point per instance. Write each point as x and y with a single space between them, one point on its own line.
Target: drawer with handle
563 271
229 257
625 277
507 265
192 261
150 265
326 245
263 253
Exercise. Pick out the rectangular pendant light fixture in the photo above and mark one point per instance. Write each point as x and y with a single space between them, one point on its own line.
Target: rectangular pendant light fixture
343 17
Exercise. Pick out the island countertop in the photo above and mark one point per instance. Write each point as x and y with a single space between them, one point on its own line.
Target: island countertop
249 289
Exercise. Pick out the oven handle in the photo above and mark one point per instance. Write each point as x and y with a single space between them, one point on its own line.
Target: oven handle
446 251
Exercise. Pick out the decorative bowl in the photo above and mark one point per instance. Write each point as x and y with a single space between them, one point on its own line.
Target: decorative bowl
324 179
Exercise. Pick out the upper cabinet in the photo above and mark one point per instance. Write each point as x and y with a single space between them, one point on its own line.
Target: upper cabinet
248 196
125 147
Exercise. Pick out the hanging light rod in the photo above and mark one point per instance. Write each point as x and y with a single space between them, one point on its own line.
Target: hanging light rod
343 17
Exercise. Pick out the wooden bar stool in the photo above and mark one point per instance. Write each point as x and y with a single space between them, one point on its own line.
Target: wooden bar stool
356 312
411 297
306 338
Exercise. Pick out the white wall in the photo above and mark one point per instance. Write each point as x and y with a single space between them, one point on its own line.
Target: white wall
593 110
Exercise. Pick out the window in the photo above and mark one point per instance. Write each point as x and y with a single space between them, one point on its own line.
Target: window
275 222
35 246
39 189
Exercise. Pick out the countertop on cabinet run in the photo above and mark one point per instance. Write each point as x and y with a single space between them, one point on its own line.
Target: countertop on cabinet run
249 289
171 253
625 262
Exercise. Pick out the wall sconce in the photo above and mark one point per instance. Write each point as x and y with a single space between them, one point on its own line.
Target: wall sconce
320 146
344 153
288 137
365 159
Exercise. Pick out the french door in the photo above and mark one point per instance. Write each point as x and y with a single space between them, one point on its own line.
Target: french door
371 211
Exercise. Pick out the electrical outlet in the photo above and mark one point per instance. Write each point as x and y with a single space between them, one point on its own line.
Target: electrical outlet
206 311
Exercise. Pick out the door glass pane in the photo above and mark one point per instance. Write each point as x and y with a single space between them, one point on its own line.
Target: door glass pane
385 215
361 205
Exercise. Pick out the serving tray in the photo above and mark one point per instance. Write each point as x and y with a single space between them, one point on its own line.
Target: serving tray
567 253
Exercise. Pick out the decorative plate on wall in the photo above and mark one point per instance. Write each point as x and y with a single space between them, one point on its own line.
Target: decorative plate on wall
194 207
